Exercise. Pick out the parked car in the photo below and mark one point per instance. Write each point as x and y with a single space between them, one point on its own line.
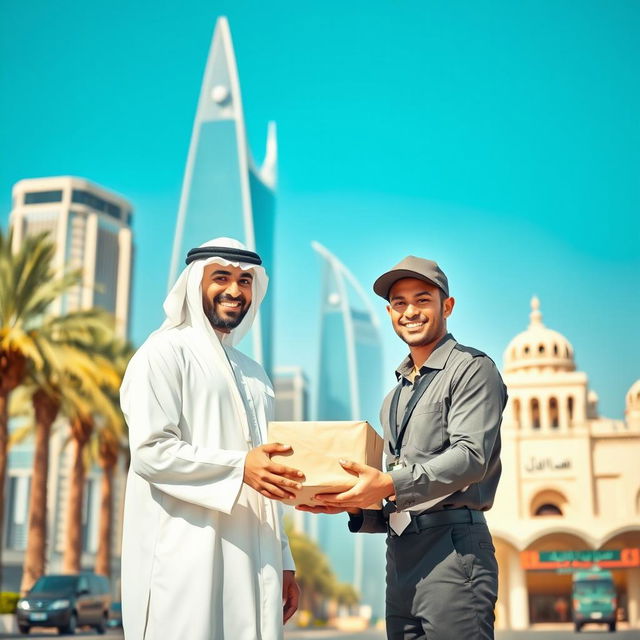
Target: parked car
66 602
594 598
115 615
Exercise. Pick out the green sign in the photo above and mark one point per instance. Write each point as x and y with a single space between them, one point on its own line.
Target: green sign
607 555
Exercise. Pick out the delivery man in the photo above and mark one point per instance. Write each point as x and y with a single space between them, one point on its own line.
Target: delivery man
442 466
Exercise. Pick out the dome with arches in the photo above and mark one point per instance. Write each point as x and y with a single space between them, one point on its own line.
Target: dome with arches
538 347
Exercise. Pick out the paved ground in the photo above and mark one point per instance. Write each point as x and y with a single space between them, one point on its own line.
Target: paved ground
504 635
588 634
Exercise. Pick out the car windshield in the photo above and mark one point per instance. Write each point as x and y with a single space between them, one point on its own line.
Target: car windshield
591 587
60 584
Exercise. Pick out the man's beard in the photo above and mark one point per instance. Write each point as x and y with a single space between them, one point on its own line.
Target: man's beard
225 324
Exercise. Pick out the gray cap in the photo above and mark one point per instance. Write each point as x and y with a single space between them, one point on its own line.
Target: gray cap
411 267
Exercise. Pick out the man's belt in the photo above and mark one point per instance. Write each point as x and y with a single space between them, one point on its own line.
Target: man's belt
440 518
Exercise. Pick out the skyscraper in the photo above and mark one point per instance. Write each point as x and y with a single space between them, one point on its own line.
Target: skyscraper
349 387
91 229
223 192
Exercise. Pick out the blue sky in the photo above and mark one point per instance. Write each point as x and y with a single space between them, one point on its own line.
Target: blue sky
500 138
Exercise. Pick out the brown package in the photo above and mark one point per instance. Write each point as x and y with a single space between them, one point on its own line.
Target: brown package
317 449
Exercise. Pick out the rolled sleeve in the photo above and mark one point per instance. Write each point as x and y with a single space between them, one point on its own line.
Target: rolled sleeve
478 398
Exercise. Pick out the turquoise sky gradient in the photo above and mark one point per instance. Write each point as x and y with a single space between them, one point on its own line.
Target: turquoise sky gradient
500 138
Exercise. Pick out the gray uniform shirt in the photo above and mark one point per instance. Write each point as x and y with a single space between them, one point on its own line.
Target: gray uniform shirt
452 437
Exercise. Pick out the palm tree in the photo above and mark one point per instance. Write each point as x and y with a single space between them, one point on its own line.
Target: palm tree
110 442
28 288
70 368
92 408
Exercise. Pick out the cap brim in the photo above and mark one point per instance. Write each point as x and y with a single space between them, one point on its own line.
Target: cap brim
383 284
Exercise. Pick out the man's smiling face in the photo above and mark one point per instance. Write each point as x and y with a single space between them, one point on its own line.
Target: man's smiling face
226 295
418 311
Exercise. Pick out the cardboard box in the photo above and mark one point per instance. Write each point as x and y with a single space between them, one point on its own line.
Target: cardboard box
317 448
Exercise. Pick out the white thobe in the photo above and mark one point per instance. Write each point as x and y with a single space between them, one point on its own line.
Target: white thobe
203 553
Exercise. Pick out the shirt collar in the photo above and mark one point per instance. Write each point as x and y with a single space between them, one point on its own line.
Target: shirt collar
437 359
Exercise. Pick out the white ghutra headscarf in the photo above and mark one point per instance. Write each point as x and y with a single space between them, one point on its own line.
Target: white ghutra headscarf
183 304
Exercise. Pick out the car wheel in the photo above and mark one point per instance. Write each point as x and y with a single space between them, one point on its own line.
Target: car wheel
102 627
70 628
24 629
612 627
578 627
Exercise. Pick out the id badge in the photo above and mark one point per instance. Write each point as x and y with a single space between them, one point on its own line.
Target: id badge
395 464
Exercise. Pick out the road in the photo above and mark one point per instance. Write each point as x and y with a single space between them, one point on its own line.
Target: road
588 634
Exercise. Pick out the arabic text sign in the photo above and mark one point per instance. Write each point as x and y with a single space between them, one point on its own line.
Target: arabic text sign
543 465
605 559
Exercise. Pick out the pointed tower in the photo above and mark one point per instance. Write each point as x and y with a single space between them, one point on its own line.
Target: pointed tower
223 192
349 387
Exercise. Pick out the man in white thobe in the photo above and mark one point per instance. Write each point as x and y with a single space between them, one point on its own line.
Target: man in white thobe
204 553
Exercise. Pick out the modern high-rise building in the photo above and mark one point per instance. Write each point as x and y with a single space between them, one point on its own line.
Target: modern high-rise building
223 192
91 229
349 387
292 394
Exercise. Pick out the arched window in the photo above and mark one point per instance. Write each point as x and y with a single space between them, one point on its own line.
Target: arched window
535 413
541 348
548 509
548 502
555 349
516 412
570 409
566 350
554 419
526 350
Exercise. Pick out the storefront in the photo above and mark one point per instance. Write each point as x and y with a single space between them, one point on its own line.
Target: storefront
569 497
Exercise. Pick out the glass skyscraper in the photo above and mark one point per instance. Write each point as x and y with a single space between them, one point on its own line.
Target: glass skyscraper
349 387
223 192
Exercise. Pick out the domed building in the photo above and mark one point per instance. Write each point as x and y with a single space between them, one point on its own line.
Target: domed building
569 497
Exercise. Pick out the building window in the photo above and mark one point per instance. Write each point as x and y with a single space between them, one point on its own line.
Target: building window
548 502
548 509
526 350
554 419
570 409
90 516
555 349
516 412
39 197
535 413
540 348
17 512
93 201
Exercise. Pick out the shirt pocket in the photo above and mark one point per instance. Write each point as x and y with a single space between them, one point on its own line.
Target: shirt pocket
426 428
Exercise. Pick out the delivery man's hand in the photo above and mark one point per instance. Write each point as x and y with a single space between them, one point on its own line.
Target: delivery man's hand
268 478
372 486
325 509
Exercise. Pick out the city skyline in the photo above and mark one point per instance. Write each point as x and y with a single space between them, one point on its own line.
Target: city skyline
516 169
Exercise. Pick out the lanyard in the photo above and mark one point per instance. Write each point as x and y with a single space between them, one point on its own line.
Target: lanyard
397 435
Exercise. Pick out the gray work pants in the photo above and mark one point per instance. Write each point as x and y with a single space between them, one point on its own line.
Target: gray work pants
442 584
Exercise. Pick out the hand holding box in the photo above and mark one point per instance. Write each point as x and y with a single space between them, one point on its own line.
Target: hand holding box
317 448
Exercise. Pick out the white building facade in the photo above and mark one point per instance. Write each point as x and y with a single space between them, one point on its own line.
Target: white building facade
570 484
